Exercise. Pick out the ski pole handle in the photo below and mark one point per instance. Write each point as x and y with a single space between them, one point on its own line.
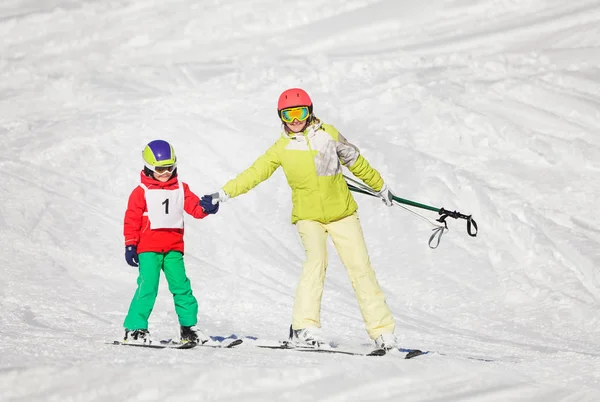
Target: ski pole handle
471 224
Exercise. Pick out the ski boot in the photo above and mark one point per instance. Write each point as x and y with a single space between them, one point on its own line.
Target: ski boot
140 336
309 337
386 341
192 334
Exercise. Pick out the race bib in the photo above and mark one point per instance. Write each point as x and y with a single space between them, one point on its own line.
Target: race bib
165 207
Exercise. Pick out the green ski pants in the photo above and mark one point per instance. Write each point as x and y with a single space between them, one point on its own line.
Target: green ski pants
186 305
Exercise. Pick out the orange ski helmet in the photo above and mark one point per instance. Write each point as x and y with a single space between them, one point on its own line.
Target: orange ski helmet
293 97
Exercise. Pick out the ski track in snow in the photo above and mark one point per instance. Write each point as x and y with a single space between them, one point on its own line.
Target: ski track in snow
488 107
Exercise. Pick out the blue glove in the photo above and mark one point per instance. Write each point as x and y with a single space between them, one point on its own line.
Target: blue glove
206 202
131 256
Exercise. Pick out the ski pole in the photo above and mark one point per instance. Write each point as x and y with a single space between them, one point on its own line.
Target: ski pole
356 186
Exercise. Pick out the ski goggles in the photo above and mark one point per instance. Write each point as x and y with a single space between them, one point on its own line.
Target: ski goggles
300 113
161 170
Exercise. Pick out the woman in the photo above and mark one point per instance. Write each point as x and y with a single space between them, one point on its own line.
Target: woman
311 154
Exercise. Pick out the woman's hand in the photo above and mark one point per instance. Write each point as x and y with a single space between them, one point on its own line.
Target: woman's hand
386 195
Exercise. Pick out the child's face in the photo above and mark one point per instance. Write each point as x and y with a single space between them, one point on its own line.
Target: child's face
163 177
163 173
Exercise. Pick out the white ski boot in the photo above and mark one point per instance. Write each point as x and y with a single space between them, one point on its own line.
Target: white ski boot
307 337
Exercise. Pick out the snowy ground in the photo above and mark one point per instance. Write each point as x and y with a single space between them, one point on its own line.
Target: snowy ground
489 107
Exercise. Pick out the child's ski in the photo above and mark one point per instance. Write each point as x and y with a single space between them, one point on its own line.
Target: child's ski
188 345
225 344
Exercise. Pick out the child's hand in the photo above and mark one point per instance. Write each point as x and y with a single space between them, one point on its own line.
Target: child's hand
206 202
131 256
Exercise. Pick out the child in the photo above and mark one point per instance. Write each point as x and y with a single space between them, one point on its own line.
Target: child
153 232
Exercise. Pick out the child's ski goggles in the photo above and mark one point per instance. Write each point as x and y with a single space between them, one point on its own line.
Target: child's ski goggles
162 169
294 113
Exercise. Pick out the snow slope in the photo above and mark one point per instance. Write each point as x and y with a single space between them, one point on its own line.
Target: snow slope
488 107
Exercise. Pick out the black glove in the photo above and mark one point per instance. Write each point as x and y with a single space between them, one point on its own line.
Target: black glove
131 256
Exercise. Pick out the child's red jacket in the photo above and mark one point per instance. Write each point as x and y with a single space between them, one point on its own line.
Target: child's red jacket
136 227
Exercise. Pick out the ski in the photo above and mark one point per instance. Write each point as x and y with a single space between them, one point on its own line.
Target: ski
285 345
410 353
227 341
188 345
375 352
215 342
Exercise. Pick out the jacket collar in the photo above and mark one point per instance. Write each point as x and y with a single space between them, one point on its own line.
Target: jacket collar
308 132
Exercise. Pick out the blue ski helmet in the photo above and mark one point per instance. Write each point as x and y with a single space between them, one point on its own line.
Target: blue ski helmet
159 153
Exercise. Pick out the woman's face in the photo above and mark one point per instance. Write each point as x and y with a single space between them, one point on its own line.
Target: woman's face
296 126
